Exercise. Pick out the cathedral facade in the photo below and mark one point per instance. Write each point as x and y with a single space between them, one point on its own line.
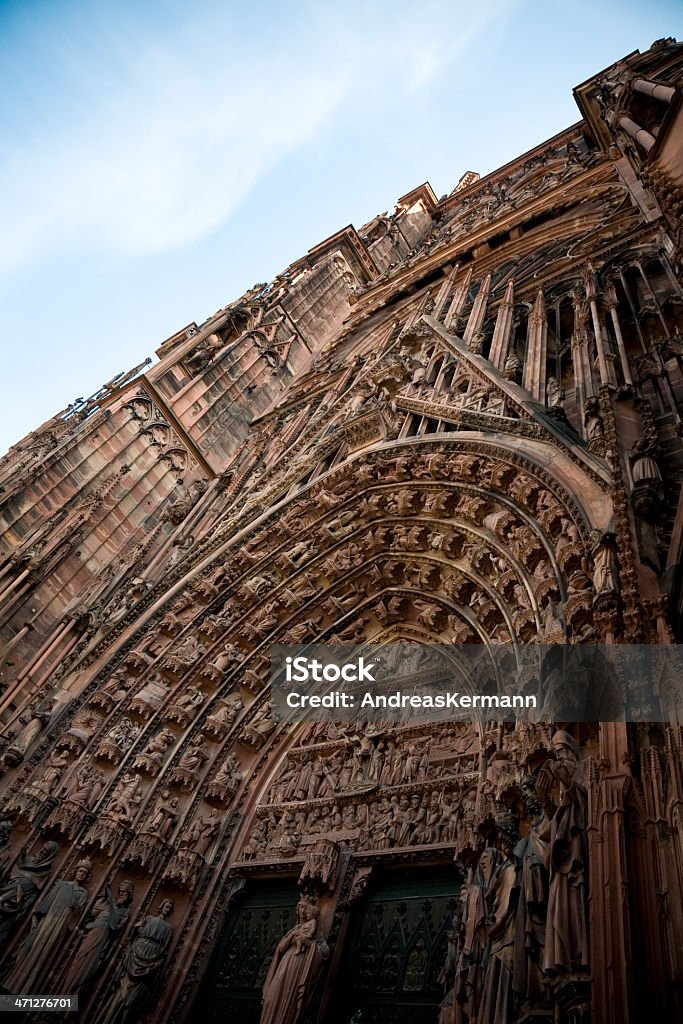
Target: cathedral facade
458 424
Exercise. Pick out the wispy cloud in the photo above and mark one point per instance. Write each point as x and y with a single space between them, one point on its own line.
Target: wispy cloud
159 152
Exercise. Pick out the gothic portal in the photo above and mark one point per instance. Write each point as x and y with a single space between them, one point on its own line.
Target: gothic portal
461 423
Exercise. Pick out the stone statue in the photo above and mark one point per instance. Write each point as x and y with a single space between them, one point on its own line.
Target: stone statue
553 394
34 722
294 968
141 967
109 918
202 833
469 983
85 786
605 569
53 920
53 772
125 800
644 468
567 934
165 816
531 853
501 905
20 891
512 367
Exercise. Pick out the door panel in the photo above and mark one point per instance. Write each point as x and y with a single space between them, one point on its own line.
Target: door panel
395 951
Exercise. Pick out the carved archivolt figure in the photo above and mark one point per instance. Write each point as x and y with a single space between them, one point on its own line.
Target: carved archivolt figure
109 918
21 890
126 798
54 770
294 968
54 918
85 786
141 967
202 833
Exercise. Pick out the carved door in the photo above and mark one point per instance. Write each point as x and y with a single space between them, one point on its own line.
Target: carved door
231 989
395 951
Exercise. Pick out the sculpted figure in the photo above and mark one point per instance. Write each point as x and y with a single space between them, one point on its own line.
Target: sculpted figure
567 935
644 468
123 734
531 854
224 716
294 968
126 798
553 394
202 833
109 918
34 722
451 1012
20 891
165 816
605 570
85 786
142 965
193 758
54 918
52 775
475 911
152 757
229 775
501 904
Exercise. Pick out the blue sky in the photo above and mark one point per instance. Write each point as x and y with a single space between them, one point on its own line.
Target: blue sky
158 158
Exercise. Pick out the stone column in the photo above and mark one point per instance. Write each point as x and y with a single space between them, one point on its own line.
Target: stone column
611 959
665 93
536 350
459 299
444 291
641 136
478 312
583 374
611 298
592 296
501 333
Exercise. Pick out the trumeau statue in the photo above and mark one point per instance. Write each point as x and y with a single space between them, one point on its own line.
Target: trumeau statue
295 967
